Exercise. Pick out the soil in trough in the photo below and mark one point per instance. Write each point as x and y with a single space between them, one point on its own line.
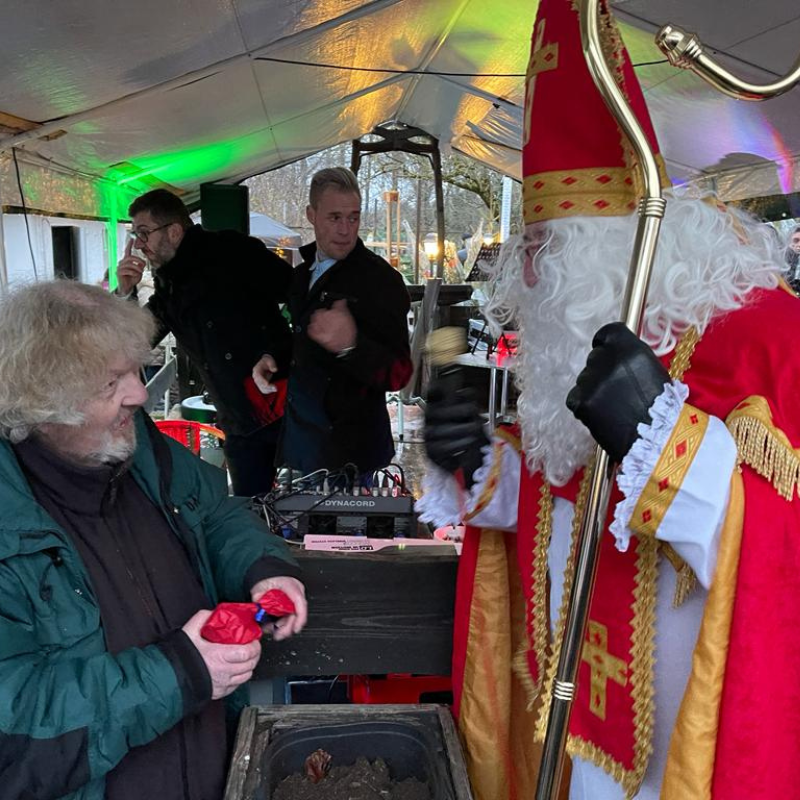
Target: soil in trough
363 780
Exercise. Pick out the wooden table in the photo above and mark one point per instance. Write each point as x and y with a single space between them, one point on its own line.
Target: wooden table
371 613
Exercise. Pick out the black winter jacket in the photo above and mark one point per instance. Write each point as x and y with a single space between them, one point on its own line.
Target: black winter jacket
336 407
220 297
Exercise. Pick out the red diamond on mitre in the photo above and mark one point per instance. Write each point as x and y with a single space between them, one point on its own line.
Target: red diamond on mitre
549 55
680 448
693 419
566 205
601 204
663 484
647 516
569 181
537 209
629 181
603 179
538 184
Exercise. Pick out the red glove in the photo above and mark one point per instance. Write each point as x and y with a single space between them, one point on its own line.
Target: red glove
240 623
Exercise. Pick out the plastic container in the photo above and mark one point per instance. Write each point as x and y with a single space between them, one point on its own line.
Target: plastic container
410 749
197 410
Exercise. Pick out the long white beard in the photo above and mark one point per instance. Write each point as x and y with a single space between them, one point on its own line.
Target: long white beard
702 268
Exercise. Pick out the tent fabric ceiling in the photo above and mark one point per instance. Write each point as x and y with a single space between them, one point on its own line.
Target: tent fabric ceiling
201 90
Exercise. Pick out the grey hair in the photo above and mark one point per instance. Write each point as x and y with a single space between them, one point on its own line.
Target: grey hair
338 178
57 340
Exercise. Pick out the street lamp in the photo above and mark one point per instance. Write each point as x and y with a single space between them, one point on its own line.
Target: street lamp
431 247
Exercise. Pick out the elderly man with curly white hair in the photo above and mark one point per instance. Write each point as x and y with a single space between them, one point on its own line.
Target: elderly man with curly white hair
114 544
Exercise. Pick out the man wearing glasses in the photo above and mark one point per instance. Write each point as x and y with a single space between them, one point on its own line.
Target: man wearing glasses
218 292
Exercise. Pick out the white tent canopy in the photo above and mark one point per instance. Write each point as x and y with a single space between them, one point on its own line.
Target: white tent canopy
272 232
101 100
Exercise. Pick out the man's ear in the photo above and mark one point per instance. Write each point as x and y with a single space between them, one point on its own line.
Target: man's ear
176 233
310 214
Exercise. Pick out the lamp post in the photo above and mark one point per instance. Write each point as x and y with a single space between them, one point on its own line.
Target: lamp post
431 247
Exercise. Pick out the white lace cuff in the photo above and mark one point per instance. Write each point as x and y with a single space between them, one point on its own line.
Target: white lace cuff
641 460
490 502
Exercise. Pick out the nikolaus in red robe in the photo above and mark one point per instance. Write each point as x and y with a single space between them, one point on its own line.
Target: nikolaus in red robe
721 484
694 698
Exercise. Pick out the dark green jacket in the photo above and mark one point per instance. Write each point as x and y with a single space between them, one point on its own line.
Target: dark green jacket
69 710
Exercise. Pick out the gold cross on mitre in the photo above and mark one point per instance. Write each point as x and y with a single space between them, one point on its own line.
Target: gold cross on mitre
543 59
603 667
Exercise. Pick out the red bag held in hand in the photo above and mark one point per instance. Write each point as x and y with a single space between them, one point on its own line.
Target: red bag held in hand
240 623
266 407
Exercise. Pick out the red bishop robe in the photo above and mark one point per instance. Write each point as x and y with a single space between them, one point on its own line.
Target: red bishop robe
738 730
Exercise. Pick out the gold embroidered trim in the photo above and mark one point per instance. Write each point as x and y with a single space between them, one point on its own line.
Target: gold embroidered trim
681 360
667 478
642 660
569 574
509 437
543 59
685 581
491 481
763 446
782 284
537 629
567 193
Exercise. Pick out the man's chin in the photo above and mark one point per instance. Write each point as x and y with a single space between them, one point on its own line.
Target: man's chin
116 449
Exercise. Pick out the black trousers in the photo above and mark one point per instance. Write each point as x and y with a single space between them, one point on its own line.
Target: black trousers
251 460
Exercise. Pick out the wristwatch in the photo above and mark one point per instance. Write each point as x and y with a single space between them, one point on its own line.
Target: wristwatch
345 351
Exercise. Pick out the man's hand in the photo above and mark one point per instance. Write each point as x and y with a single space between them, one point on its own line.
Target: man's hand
454 434
286 626
229 665
615 390
263 372
333 328
129 270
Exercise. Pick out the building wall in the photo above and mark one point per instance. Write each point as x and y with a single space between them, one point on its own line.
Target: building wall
92 249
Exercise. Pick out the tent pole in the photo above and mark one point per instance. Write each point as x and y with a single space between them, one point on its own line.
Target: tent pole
436 161
3 268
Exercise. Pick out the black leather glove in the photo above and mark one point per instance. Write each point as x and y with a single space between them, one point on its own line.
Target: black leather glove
454 433
612 395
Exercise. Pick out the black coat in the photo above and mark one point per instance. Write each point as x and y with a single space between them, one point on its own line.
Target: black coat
336 407
220 296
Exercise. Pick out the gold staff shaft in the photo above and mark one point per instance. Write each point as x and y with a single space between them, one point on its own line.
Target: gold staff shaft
651 212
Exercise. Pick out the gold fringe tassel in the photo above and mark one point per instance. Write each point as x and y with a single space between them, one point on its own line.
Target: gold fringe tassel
768 452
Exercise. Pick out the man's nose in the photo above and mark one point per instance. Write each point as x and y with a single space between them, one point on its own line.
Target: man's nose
135 391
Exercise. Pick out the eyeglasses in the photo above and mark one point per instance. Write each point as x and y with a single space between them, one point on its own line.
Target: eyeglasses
143 234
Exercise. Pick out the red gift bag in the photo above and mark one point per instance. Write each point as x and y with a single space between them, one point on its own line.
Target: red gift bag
240 623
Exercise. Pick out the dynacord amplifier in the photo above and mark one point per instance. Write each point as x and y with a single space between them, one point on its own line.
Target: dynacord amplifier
380 517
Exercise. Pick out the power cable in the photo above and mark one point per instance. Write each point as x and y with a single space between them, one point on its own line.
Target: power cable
24 211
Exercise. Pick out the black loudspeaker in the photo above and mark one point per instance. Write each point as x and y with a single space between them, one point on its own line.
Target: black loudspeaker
225 207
